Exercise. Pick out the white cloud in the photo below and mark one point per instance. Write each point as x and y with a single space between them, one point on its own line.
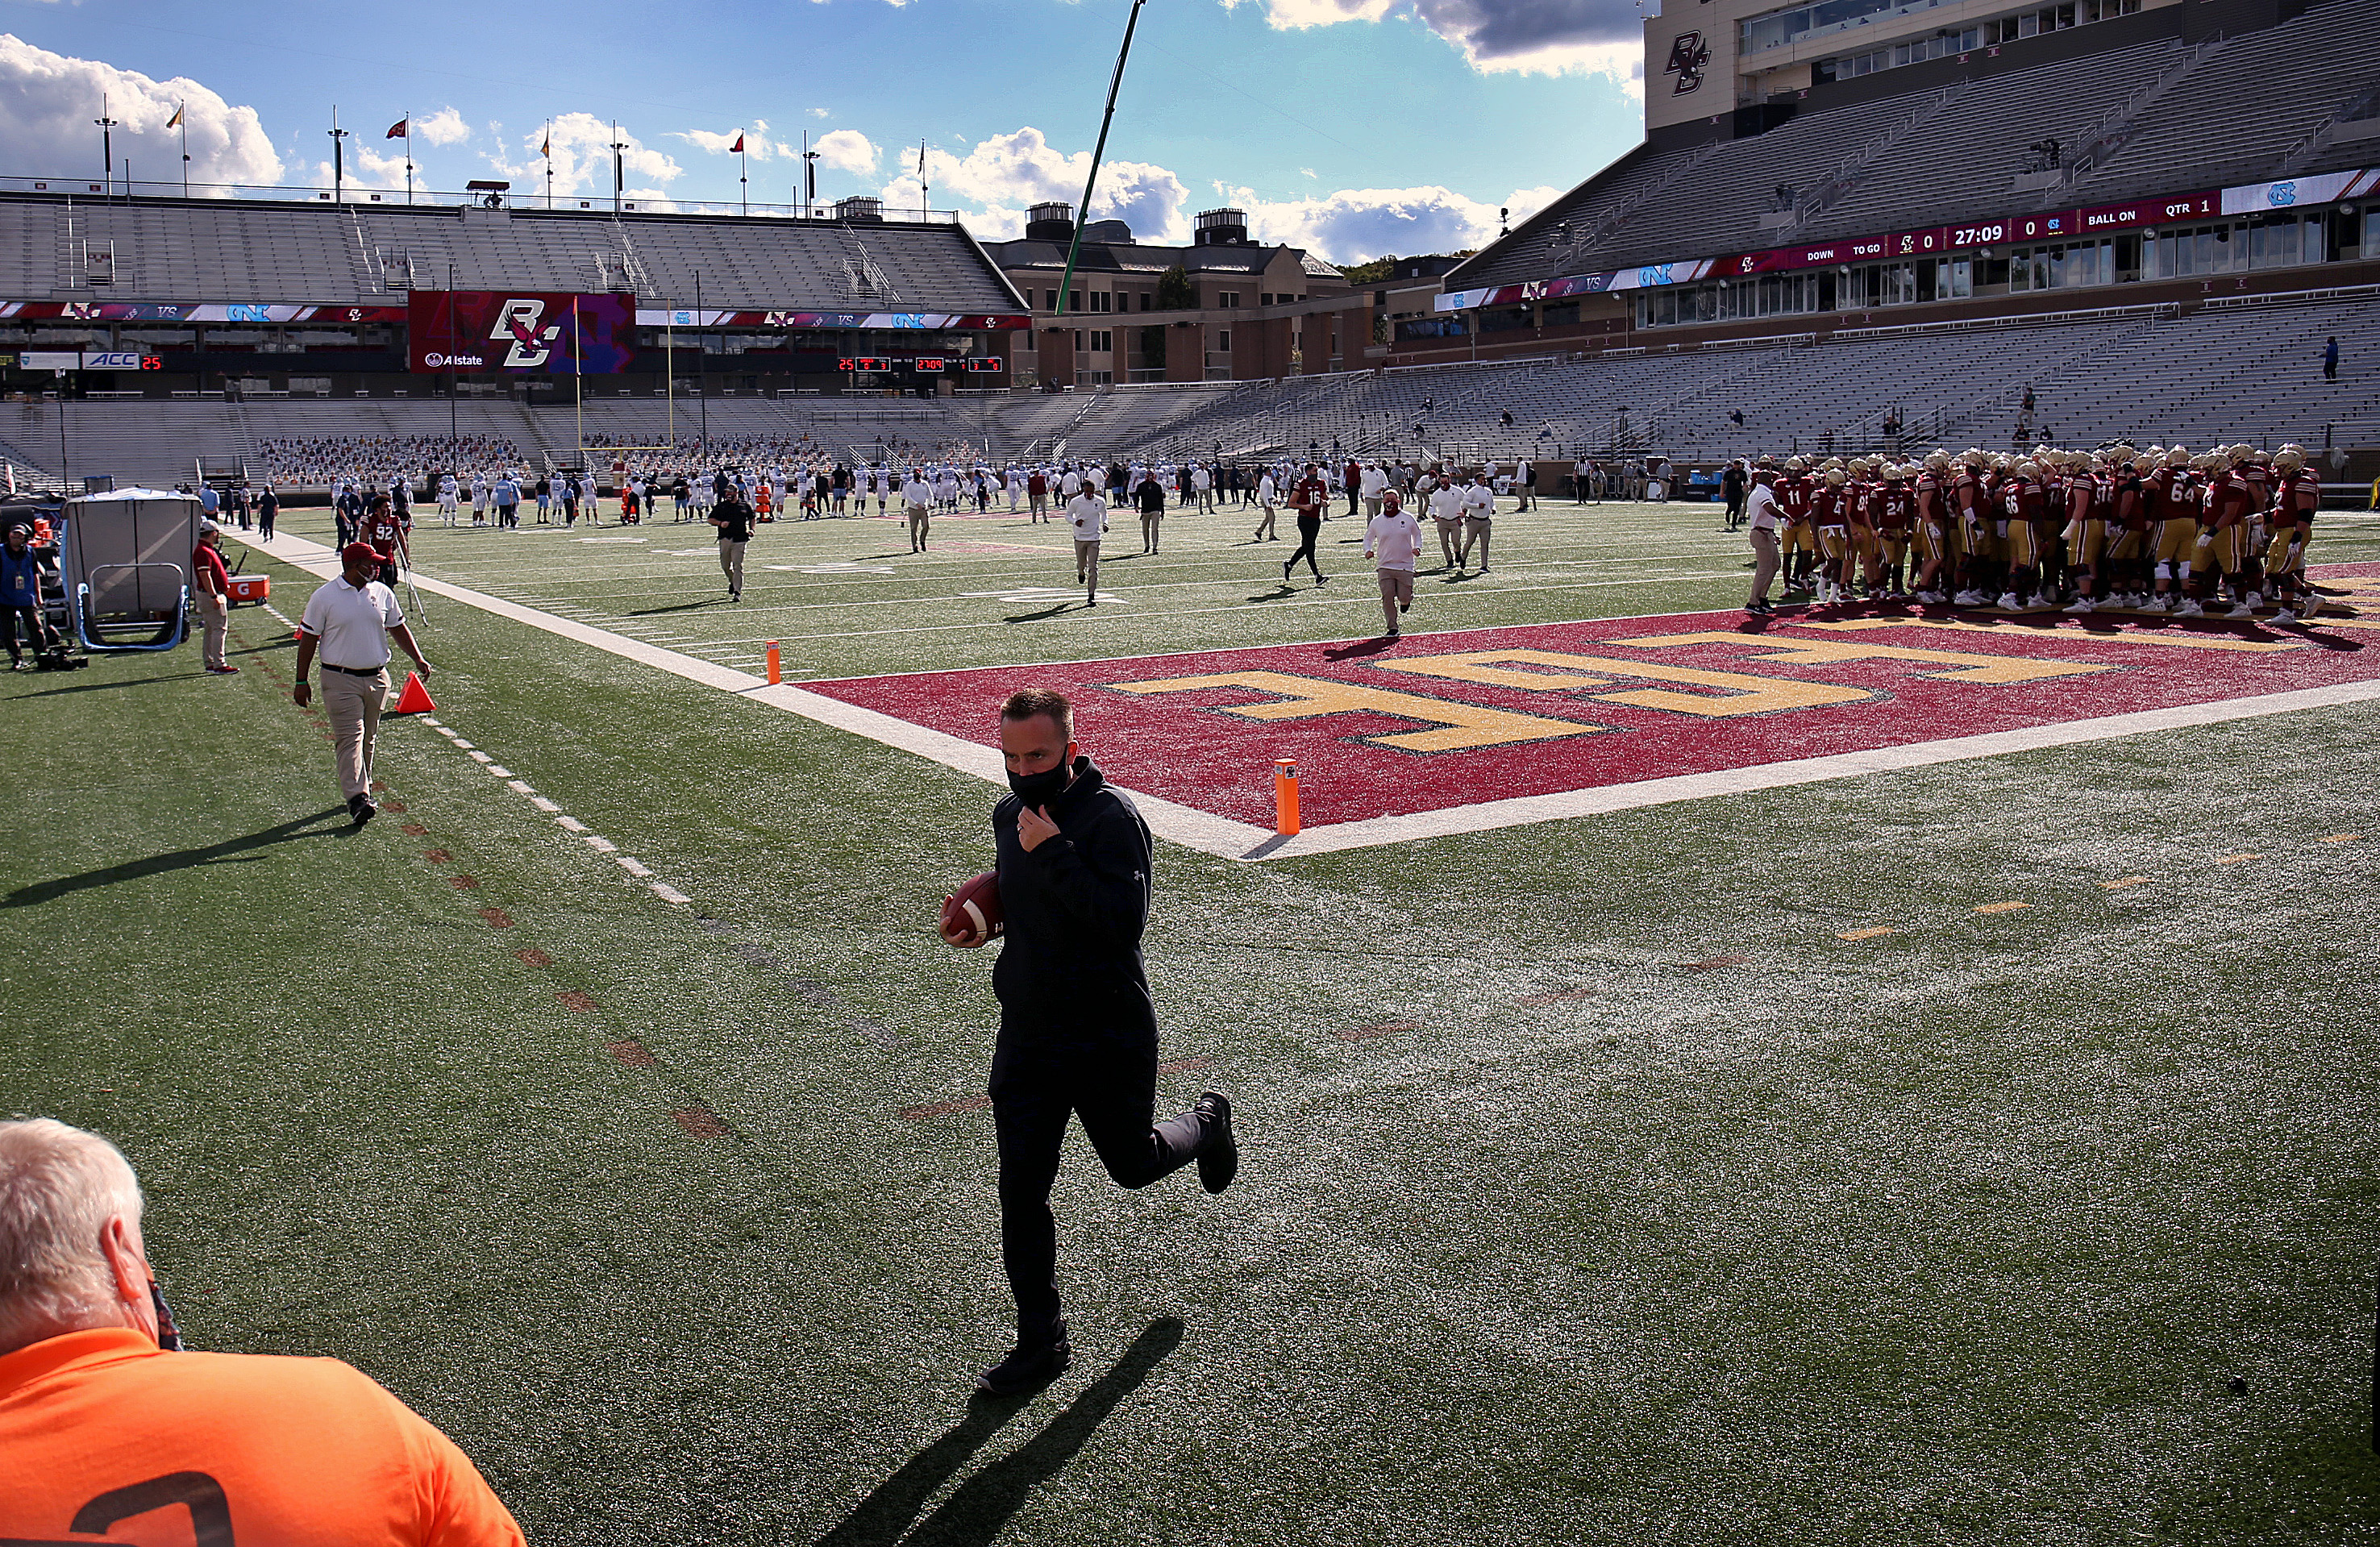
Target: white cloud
47 101
582 162
847 150
757 146
1537 37
366 167
1354 225
818 113
1002 175
444 126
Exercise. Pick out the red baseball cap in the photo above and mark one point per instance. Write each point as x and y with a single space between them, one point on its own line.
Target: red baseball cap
359 554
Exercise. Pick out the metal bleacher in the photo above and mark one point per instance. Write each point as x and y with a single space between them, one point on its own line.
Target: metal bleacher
2228 121
2138 119
229 250
1937 171
2144 373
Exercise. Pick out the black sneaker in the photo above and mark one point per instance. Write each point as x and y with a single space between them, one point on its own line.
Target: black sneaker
1029 1366
1219 1154
361 810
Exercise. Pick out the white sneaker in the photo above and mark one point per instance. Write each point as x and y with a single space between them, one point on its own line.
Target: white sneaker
2159 603
2082 608
2009 603
1968 598
2283 616
2242 610
2190 610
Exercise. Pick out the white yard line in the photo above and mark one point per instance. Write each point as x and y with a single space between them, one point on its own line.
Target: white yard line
1234 840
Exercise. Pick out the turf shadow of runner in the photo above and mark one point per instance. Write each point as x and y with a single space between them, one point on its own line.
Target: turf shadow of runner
979 1508
180 859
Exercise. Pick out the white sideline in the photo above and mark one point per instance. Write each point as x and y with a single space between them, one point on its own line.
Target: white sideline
1226 839
1196 829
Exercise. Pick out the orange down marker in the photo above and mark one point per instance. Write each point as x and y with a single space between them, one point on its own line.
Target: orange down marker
773 672
1284 796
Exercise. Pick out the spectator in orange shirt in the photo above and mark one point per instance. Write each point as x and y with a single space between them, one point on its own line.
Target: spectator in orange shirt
105 1430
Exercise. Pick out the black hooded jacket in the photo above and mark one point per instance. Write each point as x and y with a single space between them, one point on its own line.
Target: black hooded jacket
1075 908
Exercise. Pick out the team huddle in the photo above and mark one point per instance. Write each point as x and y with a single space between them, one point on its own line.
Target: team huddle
2162 530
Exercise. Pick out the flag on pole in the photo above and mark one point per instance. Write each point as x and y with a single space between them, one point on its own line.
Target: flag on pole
546 150
401 129
736 149
176 121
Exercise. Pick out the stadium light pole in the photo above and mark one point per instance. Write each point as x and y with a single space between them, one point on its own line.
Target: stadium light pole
1082 215
338 158
618 178
107 150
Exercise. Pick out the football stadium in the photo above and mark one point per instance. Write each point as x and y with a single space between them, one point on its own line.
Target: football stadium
1798 975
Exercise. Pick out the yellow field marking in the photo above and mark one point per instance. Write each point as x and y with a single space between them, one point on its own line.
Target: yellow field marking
1458 725
1956 666
1749 696
2127 881
2179 638
2344 838
2002 907
2237 859
1864 934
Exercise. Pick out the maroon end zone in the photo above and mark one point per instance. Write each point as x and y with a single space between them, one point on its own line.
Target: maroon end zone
1438 721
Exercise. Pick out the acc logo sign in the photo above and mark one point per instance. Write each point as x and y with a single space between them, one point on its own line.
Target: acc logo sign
1688 54
518 323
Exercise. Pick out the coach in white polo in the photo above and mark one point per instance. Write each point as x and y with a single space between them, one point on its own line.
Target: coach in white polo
1088 515
1392 541
350 621
919 495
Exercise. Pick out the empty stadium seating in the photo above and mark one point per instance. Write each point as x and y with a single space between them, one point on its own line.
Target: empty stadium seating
209 250
2249 371
2139 119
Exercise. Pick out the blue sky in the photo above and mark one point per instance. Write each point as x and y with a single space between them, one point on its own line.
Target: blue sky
1353 126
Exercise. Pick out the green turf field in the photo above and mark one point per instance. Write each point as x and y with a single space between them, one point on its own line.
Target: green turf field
1597 1189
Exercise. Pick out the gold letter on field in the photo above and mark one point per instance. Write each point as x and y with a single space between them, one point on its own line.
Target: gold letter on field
1459 725
1952 666
1732 693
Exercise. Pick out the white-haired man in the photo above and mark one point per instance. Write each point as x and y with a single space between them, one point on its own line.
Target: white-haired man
102 1422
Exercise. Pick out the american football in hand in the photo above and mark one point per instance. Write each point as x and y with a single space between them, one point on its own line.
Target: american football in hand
972 916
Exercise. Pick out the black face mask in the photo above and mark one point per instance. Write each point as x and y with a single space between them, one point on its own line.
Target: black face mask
1038 789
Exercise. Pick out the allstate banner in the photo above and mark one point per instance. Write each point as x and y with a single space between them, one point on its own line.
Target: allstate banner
520 333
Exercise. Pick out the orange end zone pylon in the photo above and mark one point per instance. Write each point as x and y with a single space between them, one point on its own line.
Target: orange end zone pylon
415 699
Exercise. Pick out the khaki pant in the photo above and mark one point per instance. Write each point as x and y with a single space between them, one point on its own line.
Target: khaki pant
731 564
1396 595
353 703
1475 531
214 617
921 523
1765 557
1087 563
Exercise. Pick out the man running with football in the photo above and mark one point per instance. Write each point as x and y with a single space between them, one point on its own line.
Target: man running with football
1077 1028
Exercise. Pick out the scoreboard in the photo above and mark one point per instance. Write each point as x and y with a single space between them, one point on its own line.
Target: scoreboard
922 364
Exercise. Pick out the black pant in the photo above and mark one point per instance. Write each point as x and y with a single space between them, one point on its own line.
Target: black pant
1109 1079
1309 527
264 521
28 619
